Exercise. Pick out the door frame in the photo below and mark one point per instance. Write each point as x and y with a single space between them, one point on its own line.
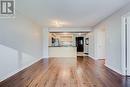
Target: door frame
124 44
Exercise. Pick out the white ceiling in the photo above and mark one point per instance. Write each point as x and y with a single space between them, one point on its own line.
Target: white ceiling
73 13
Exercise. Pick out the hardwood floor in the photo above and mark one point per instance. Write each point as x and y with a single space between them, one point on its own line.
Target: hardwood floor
67 72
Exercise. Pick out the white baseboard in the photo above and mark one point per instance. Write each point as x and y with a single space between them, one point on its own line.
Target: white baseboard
100 58
114 69
18 70
95 57
92 57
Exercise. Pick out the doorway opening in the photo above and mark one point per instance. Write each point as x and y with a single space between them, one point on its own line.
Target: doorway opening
80 44
68 40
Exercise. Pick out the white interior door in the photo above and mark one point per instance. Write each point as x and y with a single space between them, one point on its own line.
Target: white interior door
128 45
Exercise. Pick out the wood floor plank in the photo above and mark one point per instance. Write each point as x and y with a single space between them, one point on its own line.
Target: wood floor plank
67 72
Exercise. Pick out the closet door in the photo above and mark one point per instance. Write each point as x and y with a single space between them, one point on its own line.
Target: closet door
128 45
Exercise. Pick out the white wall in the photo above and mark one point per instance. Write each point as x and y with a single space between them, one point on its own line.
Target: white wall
91 50
97 43
20 44
113 41
100 42
85 46
45 42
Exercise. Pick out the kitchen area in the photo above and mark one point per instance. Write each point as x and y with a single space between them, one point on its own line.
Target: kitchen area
65 44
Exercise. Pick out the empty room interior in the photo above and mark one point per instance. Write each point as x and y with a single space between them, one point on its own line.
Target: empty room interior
64 43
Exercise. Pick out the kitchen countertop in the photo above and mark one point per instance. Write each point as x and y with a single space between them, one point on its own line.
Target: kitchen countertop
63 51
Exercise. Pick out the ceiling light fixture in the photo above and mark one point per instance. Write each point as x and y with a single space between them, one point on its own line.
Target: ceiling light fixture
56 23
79 34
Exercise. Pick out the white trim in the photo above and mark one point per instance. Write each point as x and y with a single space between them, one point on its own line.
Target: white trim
114 69
123 44
108 66
45 42
18 70
95 58
71 30
92 57
101 58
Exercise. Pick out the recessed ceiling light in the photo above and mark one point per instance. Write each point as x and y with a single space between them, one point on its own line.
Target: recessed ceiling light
56 23
79 34
65 33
